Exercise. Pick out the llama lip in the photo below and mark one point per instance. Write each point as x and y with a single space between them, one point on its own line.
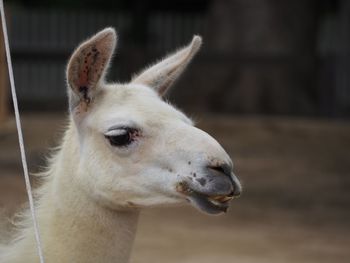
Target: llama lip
209 204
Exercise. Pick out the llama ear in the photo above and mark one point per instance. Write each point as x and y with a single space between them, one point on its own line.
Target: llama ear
163 74
88 65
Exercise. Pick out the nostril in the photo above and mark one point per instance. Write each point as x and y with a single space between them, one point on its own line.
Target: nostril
217 168
222 168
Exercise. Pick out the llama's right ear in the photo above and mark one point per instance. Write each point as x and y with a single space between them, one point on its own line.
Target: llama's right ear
164 73
87 67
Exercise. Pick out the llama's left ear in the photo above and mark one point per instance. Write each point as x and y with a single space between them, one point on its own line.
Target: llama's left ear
163 74
88 65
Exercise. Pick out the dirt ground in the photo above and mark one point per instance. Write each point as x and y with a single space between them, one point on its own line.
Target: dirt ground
295 205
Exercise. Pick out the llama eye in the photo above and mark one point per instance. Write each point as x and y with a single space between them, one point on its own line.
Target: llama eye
120 137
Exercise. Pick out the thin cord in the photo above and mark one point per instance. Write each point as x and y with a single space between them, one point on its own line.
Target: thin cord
19 131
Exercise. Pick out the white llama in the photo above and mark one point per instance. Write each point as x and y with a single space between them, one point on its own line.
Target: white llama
124 149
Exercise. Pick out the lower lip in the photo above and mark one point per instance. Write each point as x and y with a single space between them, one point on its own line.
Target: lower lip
206 205
210 205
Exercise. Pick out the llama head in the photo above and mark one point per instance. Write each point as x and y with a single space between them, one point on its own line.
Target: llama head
135 149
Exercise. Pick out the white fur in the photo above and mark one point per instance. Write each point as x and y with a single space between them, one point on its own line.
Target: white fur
88 204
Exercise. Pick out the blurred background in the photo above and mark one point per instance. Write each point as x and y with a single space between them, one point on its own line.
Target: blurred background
272 84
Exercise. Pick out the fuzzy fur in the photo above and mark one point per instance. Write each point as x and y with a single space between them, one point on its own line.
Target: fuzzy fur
88 205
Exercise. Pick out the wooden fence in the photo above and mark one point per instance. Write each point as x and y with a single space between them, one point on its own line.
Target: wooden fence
42 40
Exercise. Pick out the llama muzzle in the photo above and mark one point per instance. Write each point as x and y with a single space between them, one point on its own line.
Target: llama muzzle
213 192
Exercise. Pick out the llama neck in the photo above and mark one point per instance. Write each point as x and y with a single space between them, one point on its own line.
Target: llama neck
82 232
81 229
74 228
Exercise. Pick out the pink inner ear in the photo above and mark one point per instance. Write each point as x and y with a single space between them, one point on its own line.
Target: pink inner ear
88 63
90 68
88 72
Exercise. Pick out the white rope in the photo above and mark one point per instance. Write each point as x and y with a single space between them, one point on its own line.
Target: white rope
19 131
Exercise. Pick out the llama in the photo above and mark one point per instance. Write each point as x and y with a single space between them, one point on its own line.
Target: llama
124 149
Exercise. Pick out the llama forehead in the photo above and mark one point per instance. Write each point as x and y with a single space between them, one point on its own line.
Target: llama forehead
134 105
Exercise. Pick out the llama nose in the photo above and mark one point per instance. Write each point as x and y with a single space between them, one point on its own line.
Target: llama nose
225 169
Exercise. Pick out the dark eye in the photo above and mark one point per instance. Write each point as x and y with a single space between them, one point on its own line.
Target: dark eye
121 137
